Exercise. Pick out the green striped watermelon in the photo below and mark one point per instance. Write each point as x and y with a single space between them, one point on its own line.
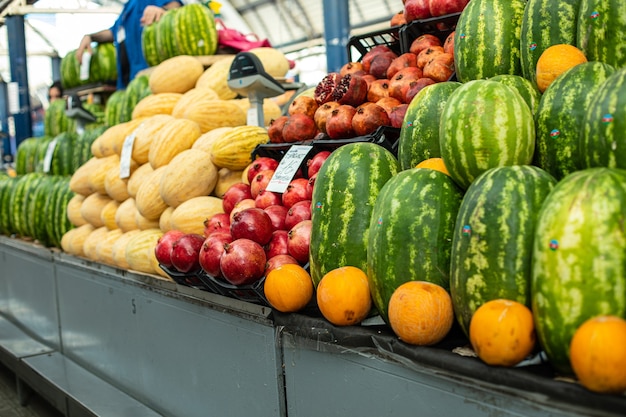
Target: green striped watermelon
113 108
493 238
103 63
603 136
25 156
487 39
346 188
165 35
70 71
40 155
410 232
21 194
62 159
6 190
195 32
485 124
56 121
601 31
82 150
55 210
137 89
529 91
35 223
546 23
578 267
419 134
149 45
560 116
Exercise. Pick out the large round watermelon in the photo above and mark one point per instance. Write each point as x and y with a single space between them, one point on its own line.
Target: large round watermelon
578 266
602 31
485 124
493 238
195 30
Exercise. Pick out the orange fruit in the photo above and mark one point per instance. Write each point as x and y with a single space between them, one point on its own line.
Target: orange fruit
420 313
288 288
502 332
554 61
343 296
598 355
434 163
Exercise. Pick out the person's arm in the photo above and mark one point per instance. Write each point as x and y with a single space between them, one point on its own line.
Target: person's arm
152 14
104 36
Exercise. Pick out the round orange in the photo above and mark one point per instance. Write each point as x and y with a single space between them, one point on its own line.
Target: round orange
288 288
554 61
343 296
420 313
434 163
502 332
598 356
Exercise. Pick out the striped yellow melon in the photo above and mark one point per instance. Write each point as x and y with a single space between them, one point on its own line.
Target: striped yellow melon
189 174
73 240
164 221
189 217
144 135
205 141
125 215
233 149
162 103
91 242
216 78
148 200
73 210
118 251
274 62
137 178
176 75
144 223
104 249
107 215
173 138
79 182
211 114
91 208
192 96
101 168
111 140
116 187
140 250
225 179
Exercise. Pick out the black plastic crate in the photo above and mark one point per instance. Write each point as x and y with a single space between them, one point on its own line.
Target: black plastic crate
385 136
186 279
358 46
252 293
440 26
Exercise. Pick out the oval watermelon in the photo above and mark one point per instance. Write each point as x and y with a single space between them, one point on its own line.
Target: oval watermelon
529 91
346 188
419 134
195 30
485 124
578 268
601 33
410 232
487 39
560 116
493 237
603 136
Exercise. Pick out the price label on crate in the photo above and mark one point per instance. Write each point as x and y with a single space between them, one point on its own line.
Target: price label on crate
47 159
287 168
126 155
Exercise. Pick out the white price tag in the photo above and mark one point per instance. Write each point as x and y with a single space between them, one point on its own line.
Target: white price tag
126 155
84 66
287 168
13 93
47 160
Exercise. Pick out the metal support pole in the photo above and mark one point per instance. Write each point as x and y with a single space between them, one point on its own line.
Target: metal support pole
56 68
19 74
5 148
336 33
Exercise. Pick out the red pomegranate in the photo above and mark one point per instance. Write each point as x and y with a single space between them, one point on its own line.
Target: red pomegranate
297 190
299 127
240 206
277 244
260 164
440 68
211 252
424 42
185 252
428 54
397 115
388 103
448 44
243 262
298 212
381 63
219 222
417 86
303 105
352 68
252 223
278 260
322 114
267 198
260 181
314 164
367 58
443 7
378 89
369 118
339 123
323 92
416 9
277 214
234 195
398 19
351 90
407 59
402 82
163 248
300 241
275 129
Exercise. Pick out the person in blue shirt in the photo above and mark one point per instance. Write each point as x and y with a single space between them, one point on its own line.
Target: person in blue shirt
126 35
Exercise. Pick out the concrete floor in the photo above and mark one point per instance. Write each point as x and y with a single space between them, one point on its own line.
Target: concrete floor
9 403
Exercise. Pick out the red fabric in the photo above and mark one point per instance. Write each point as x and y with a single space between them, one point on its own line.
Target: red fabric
233 39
